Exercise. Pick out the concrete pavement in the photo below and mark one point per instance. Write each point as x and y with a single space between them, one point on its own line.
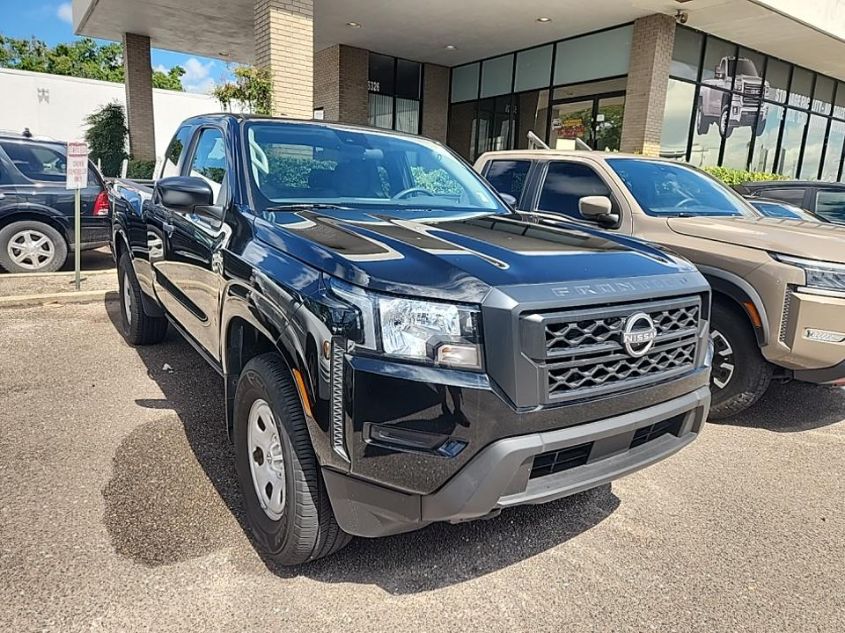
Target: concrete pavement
119 512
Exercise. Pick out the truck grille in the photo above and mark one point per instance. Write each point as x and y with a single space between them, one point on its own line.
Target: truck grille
583 353
751 94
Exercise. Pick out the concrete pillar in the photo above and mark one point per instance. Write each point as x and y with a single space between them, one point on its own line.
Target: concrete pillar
435 107
340 83
138 78
284 43
648 78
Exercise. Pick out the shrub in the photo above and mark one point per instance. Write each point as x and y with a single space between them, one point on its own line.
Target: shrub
106 137
140 169
732 177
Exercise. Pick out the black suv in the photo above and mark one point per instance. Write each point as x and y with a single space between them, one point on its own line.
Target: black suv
826 199
397 346
36 211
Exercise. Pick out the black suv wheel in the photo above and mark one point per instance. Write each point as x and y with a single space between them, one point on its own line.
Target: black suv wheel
287 506
139 328
740 374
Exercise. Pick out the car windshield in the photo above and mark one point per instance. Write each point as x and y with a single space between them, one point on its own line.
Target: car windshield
742 67
671 189
314 164
782 210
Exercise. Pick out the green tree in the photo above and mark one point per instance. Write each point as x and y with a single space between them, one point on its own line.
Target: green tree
252 87
106 137
82 57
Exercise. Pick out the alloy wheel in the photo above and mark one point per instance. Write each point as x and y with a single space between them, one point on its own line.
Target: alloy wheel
31 249
724 364
266 459
127 299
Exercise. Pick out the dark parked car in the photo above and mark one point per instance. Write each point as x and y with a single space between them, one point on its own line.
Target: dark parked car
772 208
826 199
37 212
397 346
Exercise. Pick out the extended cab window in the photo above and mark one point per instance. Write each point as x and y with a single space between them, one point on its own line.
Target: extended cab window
508 176
831 204
209 161
174 152
302 163
792 195
565 184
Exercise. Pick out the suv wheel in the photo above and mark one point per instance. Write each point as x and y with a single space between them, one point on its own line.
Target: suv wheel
287 506
139 328
31 247
740 374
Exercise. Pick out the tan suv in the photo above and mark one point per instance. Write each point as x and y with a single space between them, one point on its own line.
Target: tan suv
779 285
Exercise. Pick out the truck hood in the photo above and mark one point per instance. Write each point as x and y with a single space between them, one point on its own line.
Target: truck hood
457 257
790 237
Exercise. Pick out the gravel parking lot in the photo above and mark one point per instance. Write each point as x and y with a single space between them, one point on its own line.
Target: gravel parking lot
119 512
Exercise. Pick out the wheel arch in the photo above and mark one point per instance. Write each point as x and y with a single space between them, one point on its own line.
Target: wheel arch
34 214
734 289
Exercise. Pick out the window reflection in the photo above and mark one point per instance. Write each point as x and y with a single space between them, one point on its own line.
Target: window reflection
765 147
676 119
813 147
833 154
790 148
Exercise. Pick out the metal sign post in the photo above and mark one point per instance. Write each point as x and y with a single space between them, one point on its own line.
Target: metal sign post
77 178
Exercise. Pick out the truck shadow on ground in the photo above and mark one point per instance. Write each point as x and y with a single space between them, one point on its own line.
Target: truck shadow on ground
161 511
793 407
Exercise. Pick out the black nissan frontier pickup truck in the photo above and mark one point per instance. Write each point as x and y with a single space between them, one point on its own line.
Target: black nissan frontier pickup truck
398 346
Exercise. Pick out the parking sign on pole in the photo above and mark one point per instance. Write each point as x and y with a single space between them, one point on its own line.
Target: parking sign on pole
77 179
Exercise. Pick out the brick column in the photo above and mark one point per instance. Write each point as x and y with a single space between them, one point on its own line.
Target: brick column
340 83
435 110
648 78
284 43
138 78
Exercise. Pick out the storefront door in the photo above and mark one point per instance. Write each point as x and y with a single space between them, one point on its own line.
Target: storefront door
596 120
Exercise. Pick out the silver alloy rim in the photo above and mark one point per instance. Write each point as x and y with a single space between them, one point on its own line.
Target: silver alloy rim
127 299
31 249
266 459
723 122
723 360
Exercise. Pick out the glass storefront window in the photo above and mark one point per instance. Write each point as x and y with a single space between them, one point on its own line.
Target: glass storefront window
380 111
496 76
395 92
686 55
407 115
609 115
494 125
738 143
707 139
381 74
603 54
463 129
532 110
765 147
777 78
823 94
571 121
719 58
677 115
839 101
533 68
465 82
408 79
813 147
833 153
800 88
790 147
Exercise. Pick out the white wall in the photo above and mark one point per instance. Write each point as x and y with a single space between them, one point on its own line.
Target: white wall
56 106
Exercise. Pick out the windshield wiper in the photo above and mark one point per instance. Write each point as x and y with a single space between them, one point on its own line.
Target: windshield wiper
306 206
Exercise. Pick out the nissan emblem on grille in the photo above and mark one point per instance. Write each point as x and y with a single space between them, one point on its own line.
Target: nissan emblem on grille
639 334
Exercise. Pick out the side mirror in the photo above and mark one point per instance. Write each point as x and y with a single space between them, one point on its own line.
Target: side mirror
508 198
598 209
183 193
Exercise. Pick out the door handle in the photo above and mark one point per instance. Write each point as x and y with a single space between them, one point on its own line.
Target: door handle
168 228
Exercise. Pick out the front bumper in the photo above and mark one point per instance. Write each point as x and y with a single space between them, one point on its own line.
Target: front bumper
810 314
506 473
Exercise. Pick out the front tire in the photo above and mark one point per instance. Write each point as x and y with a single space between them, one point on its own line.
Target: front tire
726 128
31 247
287 506
702 122
137 327
740 374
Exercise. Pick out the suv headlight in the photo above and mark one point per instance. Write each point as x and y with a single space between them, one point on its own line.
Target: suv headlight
820 275
426 331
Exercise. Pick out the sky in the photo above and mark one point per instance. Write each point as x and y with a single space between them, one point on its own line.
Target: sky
51 21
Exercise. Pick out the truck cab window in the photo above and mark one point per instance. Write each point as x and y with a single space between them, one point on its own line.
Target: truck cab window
565 184
174 152
831 205
209 161
508 176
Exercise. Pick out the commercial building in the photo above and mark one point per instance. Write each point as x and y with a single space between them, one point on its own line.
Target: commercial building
744 83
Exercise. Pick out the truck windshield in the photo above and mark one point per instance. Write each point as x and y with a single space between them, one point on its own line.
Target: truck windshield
313 164
669 189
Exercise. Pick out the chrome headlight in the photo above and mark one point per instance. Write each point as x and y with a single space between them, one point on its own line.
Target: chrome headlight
820 275
426 331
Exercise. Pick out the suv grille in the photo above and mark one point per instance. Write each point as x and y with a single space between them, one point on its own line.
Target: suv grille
583 352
